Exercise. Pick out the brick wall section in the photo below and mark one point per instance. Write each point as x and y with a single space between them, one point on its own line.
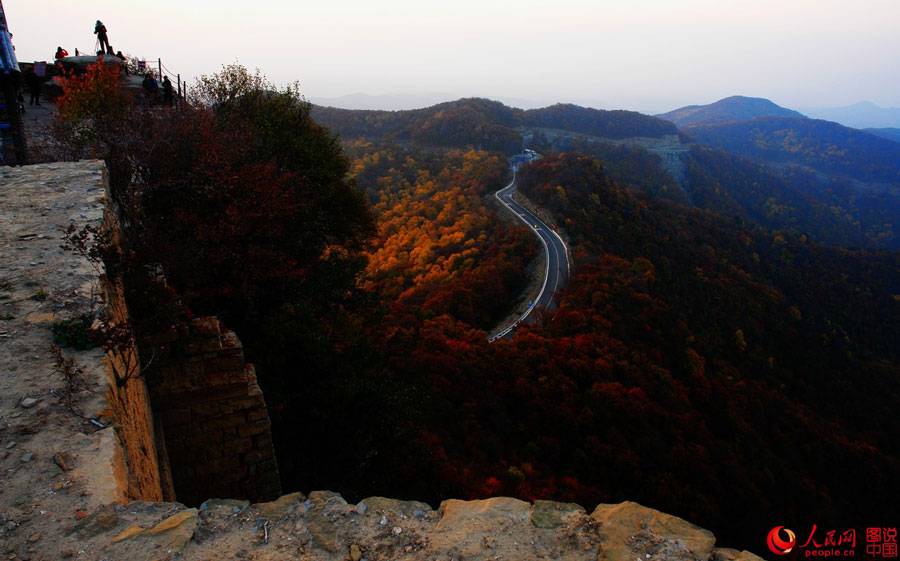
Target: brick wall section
212 414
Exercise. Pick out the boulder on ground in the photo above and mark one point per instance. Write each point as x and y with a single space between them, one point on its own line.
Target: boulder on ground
79 64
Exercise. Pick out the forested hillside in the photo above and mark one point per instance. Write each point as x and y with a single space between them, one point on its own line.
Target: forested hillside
833 184
827 209
606 124
888 133
708 362
722 372
440 249
822 145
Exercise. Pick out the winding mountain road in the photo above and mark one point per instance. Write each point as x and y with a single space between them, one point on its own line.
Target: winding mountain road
556 273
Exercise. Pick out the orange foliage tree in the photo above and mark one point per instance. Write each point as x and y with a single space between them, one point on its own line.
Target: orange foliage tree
440 249
95 94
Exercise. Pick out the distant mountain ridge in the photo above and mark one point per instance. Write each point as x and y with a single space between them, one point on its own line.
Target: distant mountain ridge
729 109
486 124
369 102
411 101
862 115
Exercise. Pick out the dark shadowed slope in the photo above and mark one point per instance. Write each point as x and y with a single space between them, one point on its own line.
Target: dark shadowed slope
888 133
617 124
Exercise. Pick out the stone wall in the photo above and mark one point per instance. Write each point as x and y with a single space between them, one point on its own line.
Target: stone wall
212 414
130 402
324 527
130 405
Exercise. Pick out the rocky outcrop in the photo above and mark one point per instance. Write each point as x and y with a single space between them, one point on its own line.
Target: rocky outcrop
323 526
79 64
633 530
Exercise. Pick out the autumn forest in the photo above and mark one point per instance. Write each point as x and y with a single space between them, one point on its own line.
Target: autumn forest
726 349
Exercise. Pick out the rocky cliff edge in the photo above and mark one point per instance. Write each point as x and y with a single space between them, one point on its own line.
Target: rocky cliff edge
323 526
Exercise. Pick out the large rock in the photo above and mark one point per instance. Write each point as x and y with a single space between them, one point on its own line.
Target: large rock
79 64
551 514
323 530
321 518
631 530
408 509
106 518
172 534
728 554
484 513
281 507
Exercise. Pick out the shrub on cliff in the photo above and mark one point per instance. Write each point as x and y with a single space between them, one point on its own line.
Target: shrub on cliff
96 94
90 105
238 197
246 198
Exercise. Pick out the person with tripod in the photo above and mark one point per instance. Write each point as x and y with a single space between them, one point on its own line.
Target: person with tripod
100 32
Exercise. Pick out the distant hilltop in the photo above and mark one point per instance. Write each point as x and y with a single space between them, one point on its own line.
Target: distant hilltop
730 109
762 131
862 115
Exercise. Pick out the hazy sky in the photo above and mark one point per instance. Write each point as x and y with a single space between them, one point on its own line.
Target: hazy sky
648 55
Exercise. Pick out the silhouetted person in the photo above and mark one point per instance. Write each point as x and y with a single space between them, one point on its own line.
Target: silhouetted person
33 82
168 91
119 55
60 53
100 32
150 86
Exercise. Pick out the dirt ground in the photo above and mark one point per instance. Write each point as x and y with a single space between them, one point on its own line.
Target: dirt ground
55 446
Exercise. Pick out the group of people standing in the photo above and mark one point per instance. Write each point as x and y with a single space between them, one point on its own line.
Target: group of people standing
150 85
105 47
151 88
